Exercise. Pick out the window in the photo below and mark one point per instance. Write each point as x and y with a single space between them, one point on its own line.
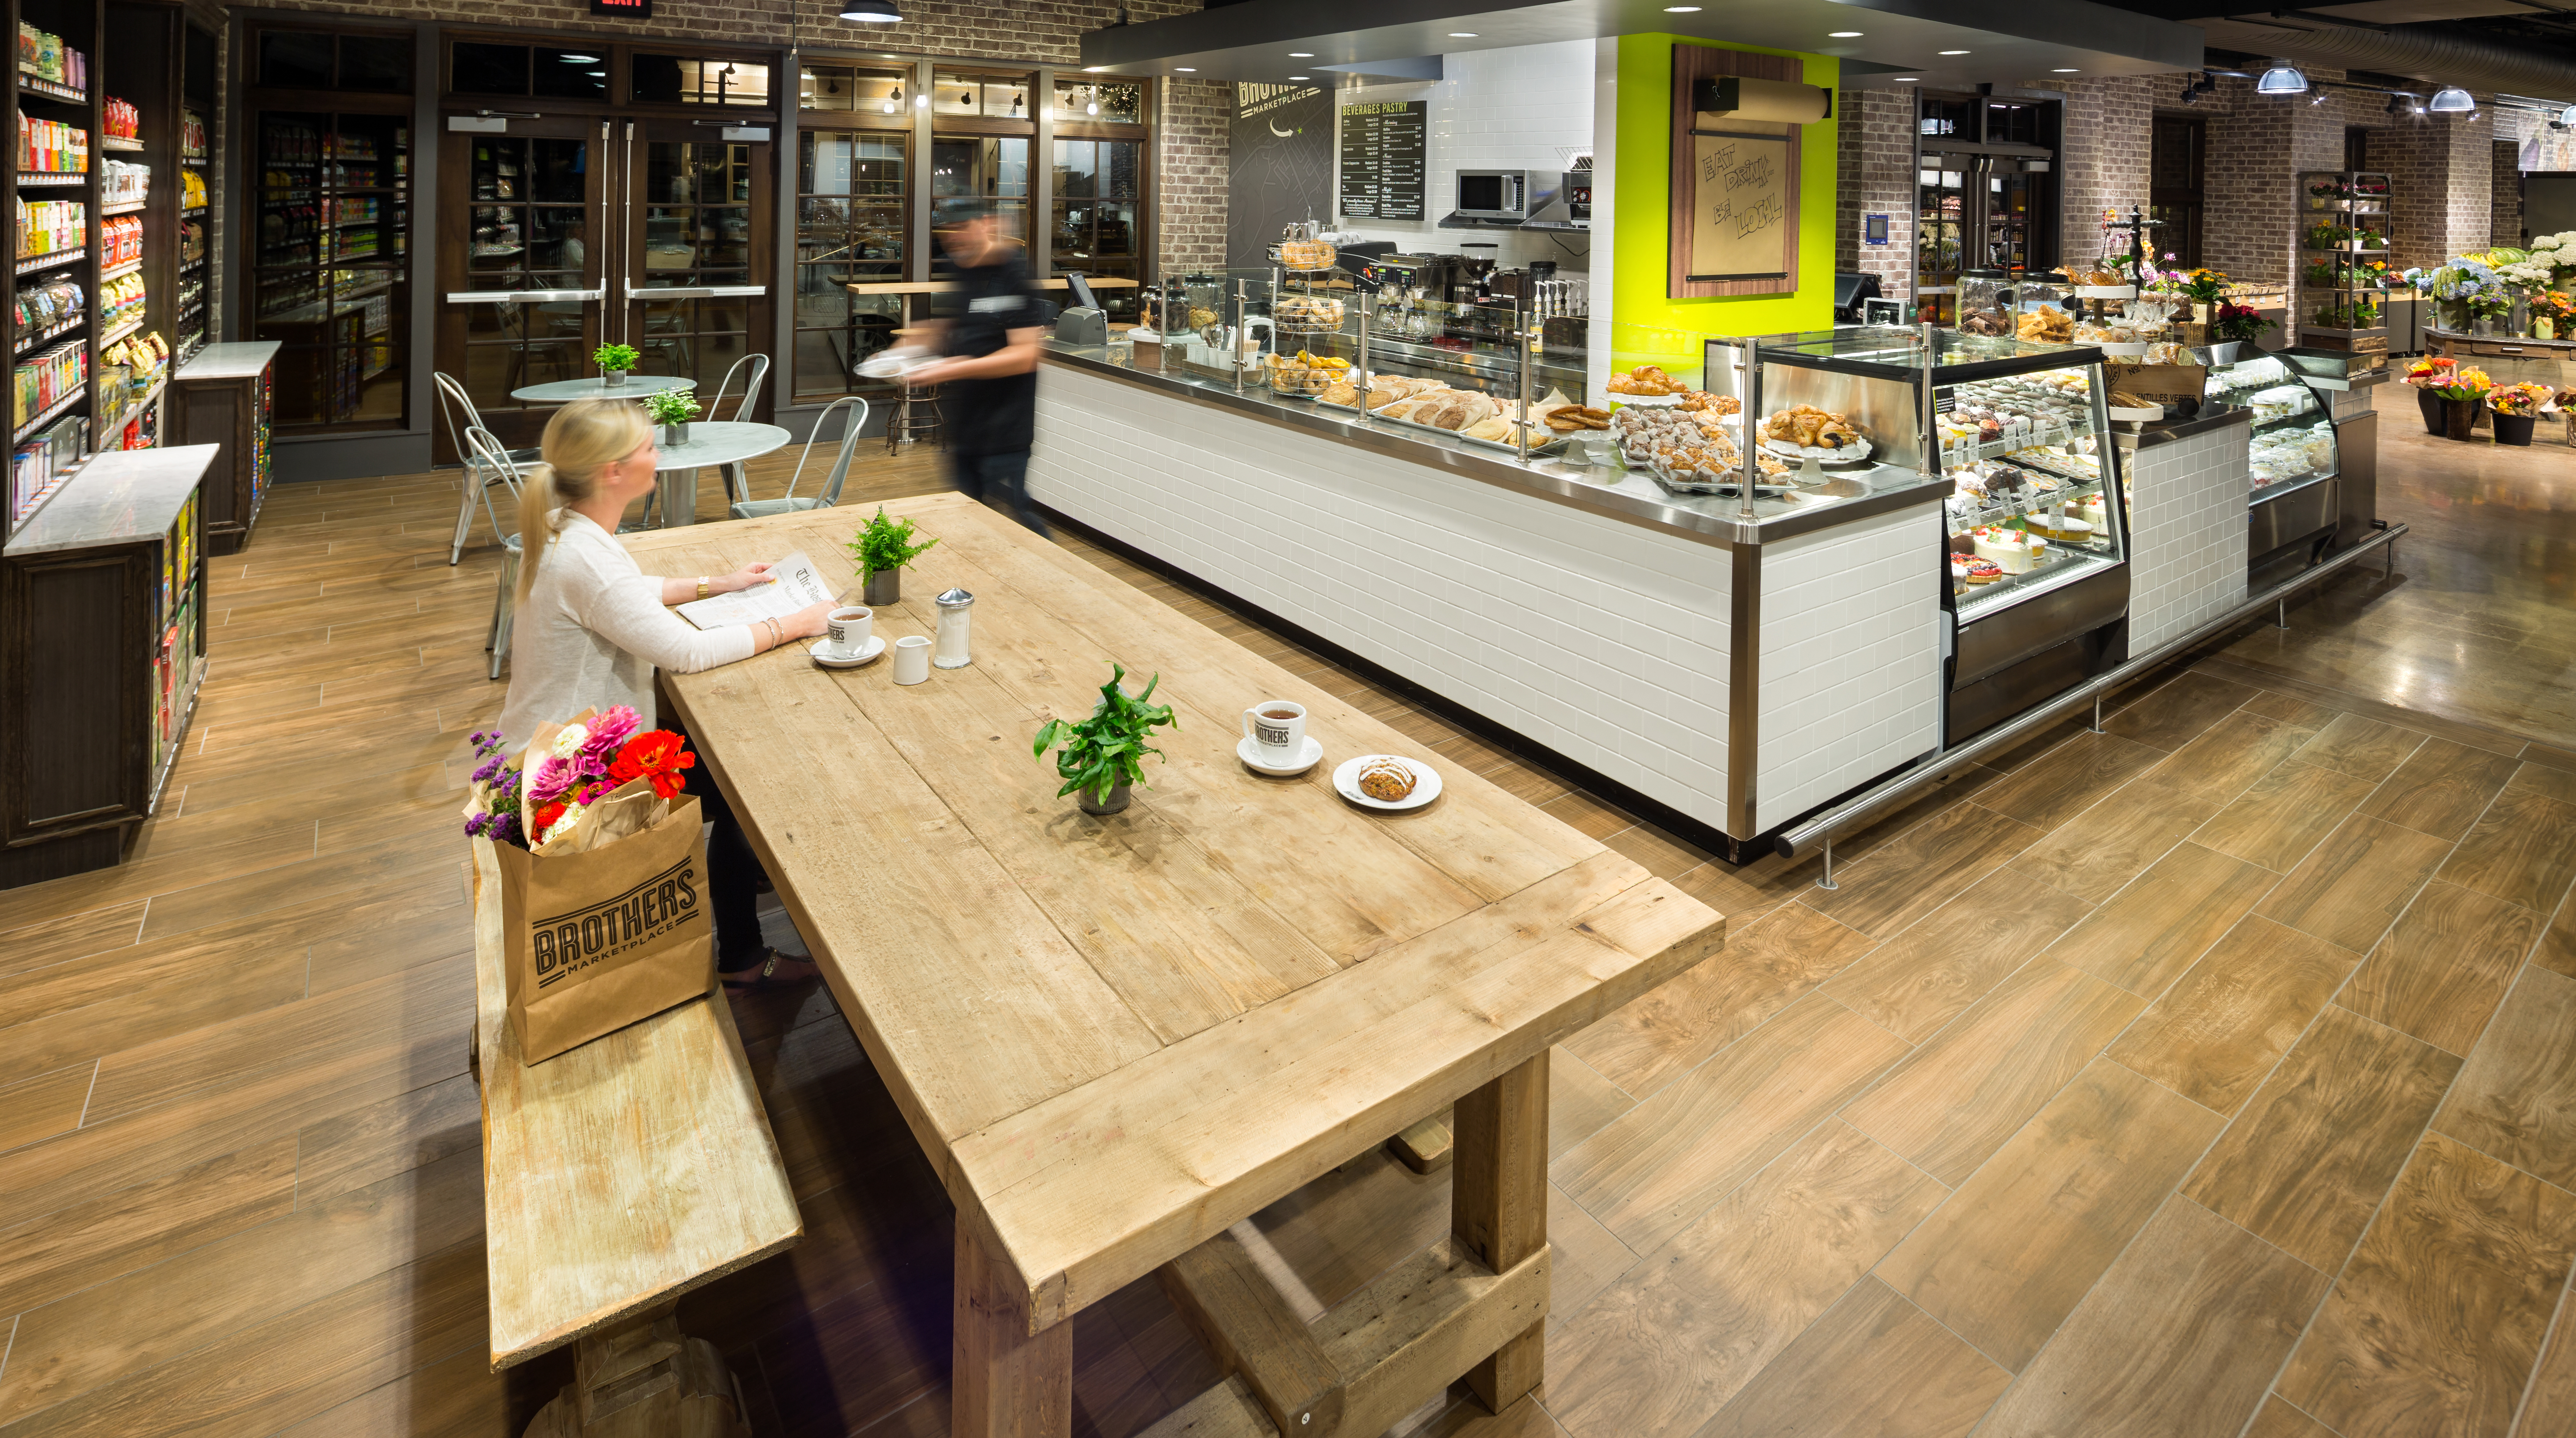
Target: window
316 60
1098 190
843 88
997 97
1949 118
853 222
1120 102
478 68
328 267
678 80
991 169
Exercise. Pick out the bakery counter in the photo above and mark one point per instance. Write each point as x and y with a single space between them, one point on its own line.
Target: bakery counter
1738 672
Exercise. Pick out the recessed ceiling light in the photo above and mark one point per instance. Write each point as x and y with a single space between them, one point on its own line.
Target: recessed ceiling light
1907 79
1297 77
1187 69
2068 71
578 59
1093 69
1462 34
1954 52
1301 54
1681 9
1842 34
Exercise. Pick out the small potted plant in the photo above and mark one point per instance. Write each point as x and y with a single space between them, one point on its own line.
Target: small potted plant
2517 407
1105 753
881 549
2233 325
2460 396
614 361
672 409
2426 377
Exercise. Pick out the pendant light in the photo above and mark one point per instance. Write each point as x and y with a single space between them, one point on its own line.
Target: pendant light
2283 78
2452 100
871 12
2567 118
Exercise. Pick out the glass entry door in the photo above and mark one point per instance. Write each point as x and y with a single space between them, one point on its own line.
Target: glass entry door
698 250
520 268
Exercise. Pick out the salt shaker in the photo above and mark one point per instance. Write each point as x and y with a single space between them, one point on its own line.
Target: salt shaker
956 607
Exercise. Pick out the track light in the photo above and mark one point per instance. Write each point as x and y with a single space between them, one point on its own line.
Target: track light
2192 92
871 12
2282 79
2452 100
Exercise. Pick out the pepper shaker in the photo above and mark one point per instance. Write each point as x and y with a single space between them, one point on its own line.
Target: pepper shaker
956 607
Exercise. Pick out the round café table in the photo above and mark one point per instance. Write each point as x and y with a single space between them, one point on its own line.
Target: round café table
636 387
713 444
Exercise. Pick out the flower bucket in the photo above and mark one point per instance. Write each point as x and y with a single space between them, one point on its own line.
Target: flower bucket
2224 351
2514 428
2459 418
2431 404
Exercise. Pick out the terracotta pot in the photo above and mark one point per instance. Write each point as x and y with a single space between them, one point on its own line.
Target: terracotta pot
2459 417
2431 404
2513 428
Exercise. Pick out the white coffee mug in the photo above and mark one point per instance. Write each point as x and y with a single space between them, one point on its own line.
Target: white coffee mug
849 628
1278 728
911 659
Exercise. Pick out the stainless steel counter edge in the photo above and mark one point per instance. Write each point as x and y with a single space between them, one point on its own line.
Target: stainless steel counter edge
2150 433
1570 485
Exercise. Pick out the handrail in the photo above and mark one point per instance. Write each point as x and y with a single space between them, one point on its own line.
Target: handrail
1819 829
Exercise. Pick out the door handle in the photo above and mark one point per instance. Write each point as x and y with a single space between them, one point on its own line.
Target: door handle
500 297
696 292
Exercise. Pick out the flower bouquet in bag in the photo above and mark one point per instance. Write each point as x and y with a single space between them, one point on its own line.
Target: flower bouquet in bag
602 876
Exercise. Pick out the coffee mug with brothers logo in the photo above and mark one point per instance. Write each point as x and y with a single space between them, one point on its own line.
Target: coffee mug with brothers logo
1278 728
849 628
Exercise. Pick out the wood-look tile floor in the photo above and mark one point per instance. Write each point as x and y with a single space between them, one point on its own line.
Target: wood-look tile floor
2212 1074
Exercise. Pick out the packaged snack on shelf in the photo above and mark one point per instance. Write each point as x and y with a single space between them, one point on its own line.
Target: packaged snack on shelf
123 184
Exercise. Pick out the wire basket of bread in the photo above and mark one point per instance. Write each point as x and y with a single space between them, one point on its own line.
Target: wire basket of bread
1304 375
1307 315
1306 255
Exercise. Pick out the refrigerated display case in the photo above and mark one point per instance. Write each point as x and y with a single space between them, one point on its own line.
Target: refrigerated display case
2295 452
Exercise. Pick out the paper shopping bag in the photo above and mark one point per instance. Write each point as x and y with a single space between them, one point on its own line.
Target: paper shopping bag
599 939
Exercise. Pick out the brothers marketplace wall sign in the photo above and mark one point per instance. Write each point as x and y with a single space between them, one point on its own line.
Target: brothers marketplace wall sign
1279 167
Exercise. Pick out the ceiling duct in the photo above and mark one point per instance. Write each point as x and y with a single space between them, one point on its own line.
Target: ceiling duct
2442 57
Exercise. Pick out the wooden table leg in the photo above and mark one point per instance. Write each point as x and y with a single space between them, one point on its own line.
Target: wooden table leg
1498 1208
1005 1383
644 1379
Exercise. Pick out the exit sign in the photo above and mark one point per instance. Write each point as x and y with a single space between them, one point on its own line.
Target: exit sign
634 9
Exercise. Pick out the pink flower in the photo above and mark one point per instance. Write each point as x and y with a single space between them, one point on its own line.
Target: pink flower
608 734
552 777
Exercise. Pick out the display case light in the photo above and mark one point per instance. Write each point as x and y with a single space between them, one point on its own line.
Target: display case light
2283 78
2452 100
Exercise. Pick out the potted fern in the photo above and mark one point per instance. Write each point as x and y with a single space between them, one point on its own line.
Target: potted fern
881 549
1105 753
672 409
614 361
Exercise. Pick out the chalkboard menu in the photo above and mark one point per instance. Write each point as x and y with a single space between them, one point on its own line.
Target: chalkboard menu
1382 160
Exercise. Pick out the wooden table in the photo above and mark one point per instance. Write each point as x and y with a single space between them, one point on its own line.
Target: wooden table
617 1177
1114 1038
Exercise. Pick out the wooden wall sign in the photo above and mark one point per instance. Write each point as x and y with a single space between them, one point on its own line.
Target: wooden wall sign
1734 227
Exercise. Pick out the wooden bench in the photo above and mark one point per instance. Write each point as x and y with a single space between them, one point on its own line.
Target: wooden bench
617 1177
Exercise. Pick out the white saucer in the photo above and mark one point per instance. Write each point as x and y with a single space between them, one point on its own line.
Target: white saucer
1250 754
1426 784
823 655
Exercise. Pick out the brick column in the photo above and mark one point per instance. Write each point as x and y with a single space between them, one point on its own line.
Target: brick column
1875 136
1189 188
2107 140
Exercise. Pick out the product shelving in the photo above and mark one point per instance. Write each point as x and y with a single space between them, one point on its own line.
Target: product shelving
28 342
55 410
114 271
46 262
2344 227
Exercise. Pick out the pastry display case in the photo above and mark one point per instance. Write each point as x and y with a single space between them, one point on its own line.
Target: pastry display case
2294 455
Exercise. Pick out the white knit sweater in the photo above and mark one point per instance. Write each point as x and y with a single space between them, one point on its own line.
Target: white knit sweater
593 629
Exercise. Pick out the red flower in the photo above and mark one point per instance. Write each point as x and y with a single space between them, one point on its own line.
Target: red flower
546 816
657 754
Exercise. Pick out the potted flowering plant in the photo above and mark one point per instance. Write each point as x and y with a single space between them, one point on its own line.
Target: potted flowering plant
2427 376
672 409
881 550
2517 407
2460 395
2231 325
614 361
2553 314
1105 753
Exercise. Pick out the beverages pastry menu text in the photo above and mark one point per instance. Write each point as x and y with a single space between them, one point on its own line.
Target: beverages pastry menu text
1382 160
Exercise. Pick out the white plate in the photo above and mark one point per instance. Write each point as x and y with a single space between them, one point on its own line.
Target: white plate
1426 784
1250 754
823 655
890 363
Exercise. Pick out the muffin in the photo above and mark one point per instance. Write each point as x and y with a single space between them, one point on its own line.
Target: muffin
1387 780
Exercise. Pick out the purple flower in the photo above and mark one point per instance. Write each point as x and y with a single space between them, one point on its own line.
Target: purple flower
491 769
475 824
608 734
552 777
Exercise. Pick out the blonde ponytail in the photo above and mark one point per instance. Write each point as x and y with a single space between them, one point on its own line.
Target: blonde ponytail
583 439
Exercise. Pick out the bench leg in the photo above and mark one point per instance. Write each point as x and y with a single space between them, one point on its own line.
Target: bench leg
644 1379
1004 1383
1498 1208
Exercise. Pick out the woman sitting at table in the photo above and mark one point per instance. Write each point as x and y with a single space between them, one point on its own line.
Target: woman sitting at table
591 627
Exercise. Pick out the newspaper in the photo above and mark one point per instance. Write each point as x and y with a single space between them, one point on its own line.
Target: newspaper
793 584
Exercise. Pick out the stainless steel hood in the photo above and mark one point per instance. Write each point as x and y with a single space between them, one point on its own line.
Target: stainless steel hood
1998 40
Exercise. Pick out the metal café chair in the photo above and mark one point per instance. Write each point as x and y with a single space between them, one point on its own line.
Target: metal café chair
854 420
453 406
738 477
487 451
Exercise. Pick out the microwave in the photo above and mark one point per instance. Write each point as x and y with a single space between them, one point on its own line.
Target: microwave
1495 194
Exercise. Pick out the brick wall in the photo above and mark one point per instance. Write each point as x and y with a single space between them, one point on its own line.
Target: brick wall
2439 176
2103 154
1875 158
1189 214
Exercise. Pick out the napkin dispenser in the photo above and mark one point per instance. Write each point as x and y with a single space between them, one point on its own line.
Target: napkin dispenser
1083 326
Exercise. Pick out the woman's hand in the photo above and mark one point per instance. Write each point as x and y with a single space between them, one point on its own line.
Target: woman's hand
742 579
808 622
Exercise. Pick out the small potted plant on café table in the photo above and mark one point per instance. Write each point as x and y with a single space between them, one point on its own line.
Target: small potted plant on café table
881 549
614 361
672 409
1100 756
